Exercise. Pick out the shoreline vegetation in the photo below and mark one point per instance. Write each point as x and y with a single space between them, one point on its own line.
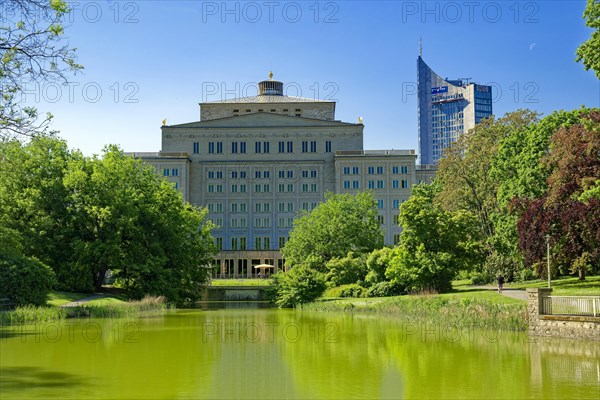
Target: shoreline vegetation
101 308
449 310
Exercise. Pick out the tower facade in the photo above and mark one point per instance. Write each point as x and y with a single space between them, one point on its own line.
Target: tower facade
446 109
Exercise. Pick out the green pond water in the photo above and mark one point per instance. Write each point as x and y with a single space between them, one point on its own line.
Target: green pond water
281 354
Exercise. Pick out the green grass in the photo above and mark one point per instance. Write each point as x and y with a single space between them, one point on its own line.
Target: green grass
482 309
103 308
241 282
57 298
564 286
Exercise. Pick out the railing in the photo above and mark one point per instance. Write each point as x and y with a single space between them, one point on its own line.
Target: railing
571 305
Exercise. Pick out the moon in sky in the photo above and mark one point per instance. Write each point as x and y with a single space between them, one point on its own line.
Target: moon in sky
531 46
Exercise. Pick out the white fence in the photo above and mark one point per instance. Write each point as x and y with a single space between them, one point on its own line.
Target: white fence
571 305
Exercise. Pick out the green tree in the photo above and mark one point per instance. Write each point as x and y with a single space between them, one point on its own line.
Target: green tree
343 223
377 262
589 51
133 223
32 51
298 286
434 245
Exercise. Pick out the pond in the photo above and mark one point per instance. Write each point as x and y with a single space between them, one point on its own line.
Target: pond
277 354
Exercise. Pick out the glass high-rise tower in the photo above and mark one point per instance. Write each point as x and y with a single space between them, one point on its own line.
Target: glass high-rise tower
446 109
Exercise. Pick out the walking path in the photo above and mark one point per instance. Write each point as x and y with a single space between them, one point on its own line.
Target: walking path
509 292
86 299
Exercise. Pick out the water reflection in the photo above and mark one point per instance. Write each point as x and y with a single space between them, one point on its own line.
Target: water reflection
272 354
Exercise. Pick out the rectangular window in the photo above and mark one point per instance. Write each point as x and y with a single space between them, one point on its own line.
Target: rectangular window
290 207
234 243
234 174
281 147
219 147
234 147
313 173
290 174
266 188
196 147
281 174
266 222
281 241
257 188
290 147
219 243
380 204
234 188
281 188
242 174
405 184
313 187
219 188
211 188
396 238
395 184
175 172
258 243
258 207
266 174
395 219
371 185
404 169
257 147
257 174
280 222
305 187
166 172
243 188
242 243
304 146
379 170
379 184
328 146
355 170
395 169
266 243
395 204
266 147
371 170
380 219
234 207
346 170
313 146
305 174
290 187
281 207
243 147
355 185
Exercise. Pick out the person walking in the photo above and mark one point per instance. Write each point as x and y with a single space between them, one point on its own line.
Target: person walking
500 283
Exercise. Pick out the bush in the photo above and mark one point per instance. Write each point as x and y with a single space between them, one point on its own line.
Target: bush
297 286
25 281
527 274
349 269
482 278
384 289
353 290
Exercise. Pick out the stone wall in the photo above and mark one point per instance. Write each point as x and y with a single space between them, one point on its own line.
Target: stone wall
575 327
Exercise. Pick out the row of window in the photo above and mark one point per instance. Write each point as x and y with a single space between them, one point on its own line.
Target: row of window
262 147
171 172
264 188
259 207
376 170
282 174
376 184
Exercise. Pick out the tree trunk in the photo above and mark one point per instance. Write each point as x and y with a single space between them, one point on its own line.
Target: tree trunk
581 274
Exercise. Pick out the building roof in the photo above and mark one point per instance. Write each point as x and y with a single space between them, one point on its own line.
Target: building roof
267 99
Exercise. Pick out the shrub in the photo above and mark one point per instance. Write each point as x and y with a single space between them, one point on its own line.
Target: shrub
353 290
482 278
349 269
384 289
527 274
25 280
297 286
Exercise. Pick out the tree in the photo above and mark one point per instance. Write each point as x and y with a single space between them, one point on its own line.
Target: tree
589 51
377 262
434 245
298 286
31 52
572 222
133 223
25 280
343 223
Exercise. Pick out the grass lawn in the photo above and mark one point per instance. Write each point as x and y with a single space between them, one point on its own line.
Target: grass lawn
105 301
564 286
57 298
241 282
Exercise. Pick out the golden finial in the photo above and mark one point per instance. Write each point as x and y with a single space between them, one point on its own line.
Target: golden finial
164 121
270 74
360 120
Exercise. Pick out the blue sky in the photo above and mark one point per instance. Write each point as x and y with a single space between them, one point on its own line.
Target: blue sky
149 60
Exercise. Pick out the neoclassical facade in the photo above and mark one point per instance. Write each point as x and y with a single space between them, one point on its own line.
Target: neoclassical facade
255 162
